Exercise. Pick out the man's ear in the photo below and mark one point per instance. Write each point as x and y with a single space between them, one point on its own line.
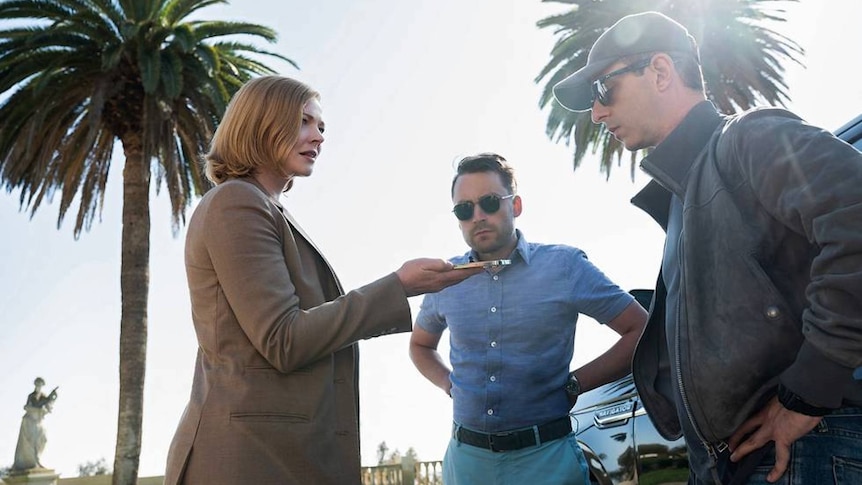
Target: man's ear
665 70
516 205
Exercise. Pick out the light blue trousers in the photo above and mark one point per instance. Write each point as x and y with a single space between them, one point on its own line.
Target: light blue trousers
557 462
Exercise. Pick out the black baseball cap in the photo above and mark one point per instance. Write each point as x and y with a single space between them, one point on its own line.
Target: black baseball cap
631 35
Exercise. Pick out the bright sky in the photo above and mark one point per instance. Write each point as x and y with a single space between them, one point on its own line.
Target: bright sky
407 89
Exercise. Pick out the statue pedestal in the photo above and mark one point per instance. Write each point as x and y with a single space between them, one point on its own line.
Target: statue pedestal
34 476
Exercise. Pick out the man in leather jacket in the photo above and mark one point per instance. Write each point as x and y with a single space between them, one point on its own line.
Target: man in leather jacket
755 328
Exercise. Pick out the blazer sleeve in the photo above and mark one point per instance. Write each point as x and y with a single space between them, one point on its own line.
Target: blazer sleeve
244 236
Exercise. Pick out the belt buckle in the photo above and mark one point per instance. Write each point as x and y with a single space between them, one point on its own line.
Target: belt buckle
493 446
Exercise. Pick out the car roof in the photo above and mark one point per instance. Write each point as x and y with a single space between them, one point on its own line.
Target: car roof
852 132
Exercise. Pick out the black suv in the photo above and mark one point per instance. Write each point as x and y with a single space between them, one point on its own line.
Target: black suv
620 443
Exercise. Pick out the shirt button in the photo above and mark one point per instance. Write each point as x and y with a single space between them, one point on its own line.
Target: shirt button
772 312
493 309
493 344
490 412
496 277
493 378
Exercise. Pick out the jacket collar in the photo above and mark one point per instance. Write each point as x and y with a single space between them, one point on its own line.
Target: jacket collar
670 162
250 179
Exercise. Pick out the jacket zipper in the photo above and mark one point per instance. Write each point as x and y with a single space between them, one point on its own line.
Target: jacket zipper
711 450
650 169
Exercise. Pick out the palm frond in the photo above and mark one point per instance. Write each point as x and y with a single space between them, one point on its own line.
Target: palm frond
176 10
209 29
34 10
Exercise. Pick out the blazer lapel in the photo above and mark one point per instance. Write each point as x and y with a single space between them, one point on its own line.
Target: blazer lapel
298 229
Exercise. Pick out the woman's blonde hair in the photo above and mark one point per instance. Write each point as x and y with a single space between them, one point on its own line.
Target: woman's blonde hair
259 127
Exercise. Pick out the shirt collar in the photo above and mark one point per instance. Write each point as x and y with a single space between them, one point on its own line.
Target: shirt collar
522 249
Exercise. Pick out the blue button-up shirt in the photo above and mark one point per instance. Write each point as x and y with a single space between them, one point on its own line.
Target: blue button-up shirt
512 333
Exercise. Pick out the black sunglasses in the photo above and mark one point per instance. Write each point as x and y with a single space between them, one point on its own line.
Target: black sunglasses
489 204
602 93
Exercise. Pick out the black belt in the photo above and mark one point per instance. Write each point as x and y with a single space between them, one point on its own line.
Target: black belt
515 440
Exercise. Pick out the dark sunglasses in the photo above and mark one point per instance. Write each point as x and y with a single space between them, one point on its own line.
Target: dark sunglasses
489 204
602 93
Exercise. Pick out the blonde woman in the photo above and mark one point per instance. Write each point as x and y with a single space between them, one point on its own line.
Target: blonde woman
275 393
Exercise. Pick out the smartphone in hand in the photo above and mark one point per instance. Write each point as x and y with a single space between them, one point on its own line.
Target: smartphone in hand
484 264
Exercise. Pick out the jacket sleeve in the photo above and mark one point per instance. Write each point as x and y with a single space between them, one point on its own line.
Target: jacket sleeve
810 181
245 240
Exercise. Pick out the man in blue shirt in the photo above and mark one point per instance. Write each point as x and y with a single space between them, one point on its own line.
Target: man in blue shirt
512 332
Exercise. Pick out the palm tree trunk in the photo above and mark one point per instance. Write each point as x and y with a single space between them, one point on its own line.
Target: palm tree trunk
134 286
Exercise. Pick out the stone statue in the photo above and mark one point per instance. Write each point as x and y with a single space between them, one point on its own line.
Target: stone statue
31 438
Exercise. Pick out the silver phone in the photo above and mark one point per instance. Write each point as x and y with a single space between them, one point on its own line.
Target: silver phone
484 264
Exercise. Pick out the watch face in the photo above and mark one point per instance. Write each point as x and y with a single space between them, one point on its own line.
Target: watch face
572 385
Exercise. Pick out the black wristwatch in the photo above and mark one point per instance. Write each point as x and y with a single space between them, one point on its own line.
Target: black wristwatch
573 386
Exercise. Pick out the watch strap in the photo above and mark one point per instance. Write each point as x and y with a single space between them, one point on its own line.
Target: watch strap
794 402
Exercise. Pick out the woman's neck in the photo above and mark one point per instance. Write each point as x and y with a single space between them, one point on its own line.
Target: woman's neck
273 183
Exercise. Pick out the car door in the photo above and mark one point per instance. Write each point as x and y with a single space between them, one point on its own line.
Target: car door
618 439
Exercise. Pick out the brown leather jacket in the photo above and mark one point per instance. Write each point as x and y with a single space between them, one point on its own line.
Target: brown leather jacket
770 269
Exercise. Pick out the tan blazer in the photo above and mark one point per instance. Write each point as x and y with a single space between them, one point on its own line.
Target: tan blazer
275 393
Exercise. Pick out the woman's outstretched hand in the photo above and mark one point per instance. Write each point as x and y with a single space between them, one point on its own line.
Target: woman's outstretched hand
429 275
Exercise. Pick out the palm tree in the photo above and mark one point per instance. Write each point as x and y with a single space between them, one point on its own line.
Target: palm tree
742 59
77 75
